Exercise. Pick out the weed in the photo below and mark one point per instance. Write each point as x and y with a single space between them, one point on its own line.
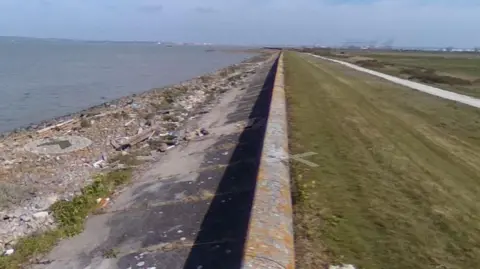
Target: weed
85 123
430 76
70 216
128 159
370 63
110 253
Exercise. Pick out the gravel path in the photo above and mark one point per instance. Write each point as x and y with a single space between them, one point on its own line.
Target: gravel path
467 100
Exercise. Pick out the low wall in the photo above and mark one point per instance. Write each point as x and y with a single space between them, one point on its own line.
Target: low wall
270 234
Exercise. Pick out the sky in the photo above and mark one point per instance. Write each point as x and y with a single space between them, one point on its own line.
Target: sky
417 23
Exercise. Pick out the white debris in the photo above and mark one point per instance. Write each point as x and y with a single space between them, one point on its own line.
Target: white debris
343 266
141 264
129 122
9 252
99 164
40 215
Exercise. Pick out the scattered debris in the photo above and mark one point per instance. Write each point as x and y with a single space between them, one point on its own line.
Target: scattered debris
54 159
102 202
145 158
129 122
9 252
203 131
343 266
40 215
99 164
136 139
58 126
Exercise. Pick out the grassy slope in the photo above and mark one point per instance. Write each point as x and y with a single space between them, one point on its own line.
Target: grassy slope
398 181
456 66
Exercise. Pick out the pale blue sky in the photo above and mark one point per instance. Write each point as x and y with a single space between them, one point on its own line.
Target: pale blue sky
408 22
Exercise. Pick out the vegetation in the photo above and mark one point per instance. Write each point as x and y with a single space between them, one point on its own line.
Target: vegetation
85 123
70 216
398 177
458 72
431 77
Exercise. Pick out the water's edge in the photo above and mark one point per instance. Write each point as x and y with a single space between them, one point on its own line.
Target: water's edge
61 118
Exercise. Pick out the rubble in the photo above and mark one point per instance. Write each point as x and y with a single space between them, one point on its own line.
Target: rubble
53 160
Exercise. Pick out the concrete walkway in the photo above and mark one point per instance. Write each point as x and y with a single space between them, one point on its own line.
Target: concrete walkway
467 100
191 209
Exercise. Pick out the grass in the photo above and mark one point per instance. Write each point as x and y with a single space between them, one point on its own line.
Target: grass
398 178
451 71
70 216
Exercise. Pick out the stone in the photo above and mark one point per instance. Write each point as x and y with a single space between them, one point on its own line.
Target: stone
25 218
40 215
189 136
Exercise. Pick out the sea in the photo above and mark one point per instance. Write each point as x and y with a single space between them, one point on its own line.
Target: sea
41 79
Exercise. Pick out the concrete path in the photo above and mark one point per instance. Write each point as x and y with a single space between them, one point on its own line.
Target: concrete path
191 209
467 100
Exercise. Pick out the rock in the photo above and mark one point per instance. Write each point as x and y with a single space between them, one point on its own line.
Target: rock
203 131
162 147
189 136
44 202
9 162
25 218
40 215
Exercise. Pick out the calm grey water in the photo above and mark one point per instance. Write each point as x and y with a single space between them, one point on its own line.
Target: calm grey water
40 80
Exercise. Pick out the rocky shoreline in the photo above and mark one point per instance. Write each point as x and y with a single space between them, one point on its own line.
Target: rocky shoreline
54 160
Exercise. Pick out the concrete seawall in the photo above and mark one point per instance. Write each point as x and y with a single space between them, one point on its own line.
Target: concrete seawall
270 233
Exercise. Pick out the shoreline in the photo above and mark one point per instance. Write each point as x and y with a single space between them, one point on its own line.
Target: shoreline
32 182
55 120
